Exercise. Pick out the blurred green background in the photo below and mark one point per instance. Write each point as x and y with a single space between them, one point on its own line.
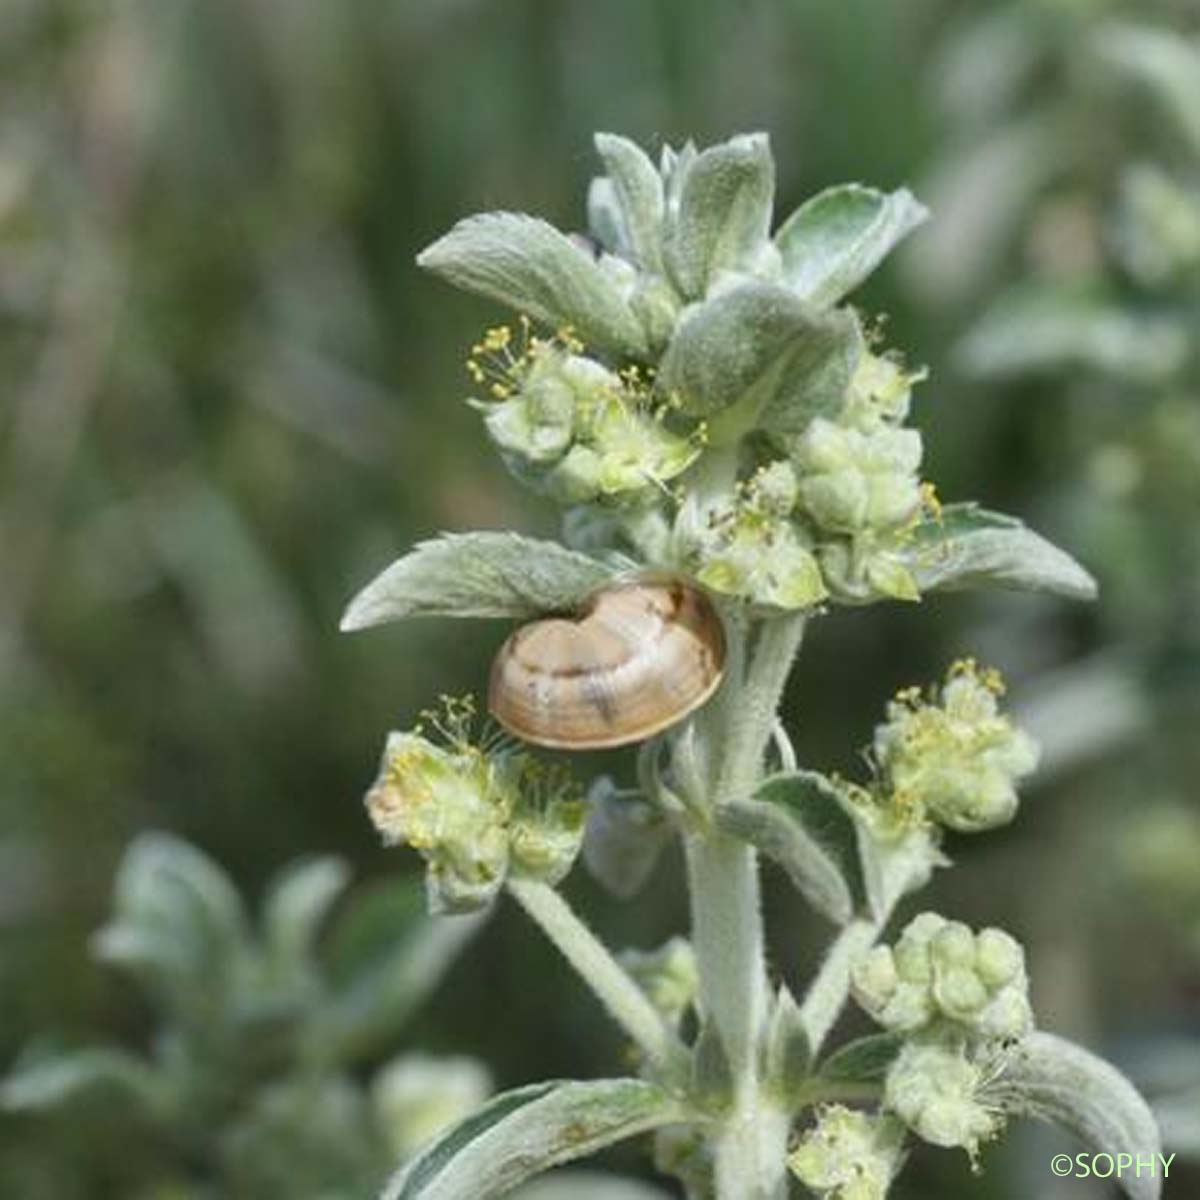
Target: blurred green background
228 397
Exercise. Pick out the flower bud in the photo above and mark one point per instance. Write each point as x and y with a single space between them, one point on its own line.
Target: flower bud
849 1155
954 754
938 1092
853 482
669 976
941 974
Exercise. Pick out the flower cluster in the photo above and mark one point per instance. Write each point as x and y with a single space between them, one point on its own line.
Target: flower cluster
951 755
570 427
476 812
941 1092
849 1155
941 974
750 547
961 999
860 484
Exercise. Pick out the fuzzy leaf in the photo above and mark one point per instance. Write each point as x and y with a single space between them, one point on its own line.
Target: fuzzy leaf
639 191
724 216
1052 1079
477 575
972 547
524 1132
800 821
178 918
42 1080
527 264
385 956
297 902
863 1061
759 346
832 242
1047 330
1166 62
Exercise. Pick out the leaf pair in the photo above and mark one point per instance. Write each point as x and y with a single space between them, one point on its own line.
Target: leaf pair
507 575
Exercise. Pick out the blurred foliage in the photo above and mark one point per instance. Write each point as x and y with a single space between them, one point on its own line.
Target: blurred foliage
249 1086
228 396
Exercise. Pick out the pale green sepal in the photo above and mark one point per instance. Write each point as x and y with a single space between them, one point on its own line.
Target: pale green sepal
477 575
967 546
526 263
800 820
724 213
833 241
524 1132
1052 1079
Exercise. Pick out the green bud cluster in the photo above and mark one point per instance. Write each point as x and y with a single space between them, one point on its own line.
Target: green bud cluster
860 484
669 976
475 813
849 1155
939 1090
941 975
571 428
953 756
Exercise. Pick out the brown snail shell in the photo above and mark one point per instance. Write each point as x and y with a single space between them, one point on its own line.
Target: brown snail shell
636 659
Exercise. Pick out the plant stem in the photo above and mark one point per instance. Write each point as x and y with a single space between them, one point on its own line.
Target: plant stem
627 1004
828 991
727 926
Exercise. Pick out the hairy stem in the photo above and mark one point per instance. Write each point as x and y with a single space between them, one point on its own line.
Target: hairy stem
625 1001
727 927
828 991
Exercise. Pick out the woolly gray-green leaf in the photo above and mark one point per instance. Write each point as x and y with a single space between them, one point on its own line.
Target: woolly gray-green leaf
1052 1079
526 263
800 820
760 347
1033 331
177 916
385 955
864 1061
41 1080
477 575
832 242
723 221
639 191
524 1132
296 904
969 546
1165 61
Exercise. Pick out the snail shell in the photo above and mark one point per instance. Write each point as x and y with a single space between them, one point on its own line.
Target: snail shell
637 658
